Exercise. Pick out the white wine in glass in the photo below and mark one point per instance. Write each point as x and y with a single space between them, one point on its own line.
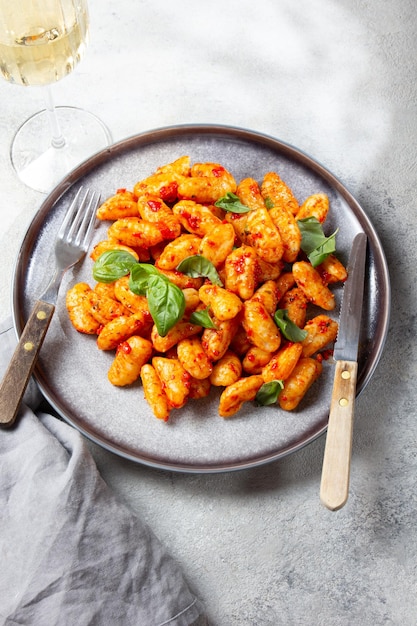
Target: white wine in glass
41 41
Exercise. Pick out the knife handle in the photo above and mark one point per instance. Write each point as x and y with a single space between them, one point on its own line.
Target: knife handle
337 453
16 378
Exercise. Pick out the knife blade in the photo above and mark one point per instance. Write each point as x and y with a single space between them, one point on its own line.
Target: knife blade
335 477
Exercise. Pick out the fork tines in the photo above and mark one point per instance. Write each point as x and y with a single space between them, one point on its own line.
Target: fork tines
80 218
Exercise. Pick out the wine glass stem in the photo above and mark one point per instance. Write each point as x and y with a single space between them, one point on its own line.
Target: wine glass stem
58 139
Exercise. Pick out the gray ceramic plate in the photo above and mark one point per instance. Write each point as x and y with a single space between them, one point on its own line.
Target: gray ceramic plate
72 372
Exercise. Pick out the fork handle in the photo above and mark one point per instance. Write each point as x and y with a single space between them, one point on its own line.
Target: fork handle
16 378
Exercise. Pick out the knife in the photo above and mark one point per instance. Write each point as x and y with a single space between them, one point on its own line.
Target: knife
334 487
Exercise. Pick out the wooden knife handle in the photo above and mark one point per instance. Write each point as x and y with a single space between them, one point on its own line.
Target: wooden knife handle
337 453
16 378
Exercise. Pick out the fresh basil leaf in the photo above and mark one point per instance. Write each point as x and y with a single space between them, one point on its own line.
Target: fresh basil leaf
321 253
166 302
314 242
230 202
269 392
290 330
312 233
197 266
268 203
202 318
111 265
139 277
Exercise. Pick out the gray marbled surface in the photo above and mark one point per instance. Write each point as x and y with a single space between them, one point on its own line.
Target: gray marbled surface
337 80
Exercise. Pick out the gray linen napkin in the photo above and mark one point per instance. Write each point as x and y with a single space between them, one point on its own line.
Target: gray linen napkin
70 551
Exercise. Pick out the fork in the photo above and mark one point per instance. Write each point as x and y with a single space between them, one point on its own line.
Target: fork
73 239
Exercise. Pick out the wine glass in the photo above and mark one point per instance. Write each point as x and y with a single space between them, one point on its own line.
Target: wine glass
41 41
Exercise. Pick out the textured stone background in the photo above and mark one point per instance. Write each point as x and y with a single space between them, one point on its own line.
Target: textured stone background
337 80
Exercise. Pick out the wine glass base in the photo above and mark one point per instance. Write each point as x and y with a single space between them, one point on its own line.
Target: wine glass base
40 165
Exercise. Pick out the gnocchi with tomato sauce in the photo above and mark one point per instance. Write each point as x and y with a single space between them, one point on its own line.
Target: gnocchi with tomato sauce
232 253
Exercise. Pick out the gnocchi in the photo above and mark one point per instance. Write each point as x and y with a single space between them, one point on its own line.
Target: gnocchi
249 267
130 356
